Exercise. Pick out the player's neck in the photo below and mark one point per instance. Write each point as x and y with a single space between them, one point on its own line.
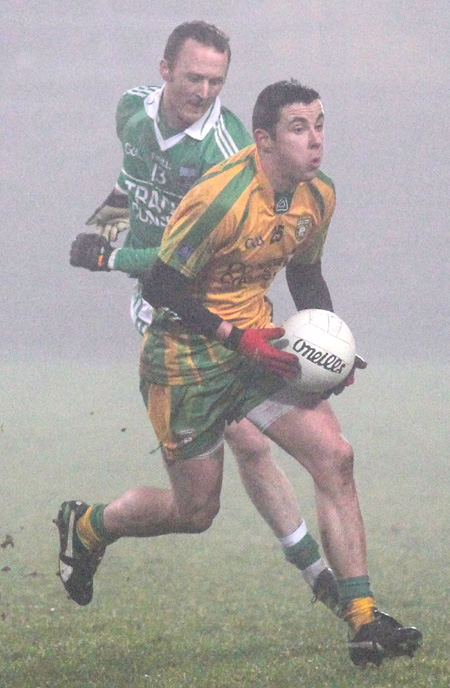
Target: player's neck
279 181
166 129
168 120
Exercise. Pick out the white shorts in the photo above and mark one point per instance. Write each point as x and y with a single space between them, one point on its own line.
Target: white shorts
275 406
140 310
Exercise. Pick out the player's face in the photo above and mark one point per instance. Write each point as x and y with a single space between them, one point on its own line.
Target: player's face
298 143
192 83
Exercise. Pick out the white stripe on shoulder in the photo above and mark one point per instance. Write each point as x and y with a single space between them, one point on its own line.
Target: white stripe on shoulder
233 145
224 139
220 145
142 91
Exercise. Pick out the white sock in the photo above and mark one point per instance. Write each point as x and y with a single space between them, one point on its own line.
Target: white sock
296 536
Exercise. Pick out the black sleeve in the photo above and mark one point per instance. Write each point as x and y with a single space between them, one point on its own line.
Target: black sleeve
307 286
167 288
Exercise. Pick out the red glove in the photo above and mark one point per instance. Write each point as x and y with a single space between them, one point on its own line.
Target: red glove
253 343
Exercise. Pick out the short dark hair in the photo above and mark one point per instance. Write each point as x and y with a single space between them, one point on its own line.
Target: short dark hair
273 98
200 31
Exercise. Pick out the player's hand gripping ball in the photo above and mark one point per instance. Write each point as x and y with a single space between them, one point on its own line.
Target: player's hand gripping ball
254 343
325 348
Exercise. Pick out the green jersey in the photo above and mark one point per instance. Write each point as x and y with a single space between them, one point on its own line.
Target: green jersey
160 166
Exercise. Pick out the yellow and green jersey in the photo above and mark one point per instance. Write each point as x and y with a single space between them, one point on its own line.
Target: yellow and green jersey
230 236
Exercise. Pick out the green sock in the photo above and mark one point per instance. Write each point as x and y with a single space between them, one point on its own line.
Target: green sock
98 526
91 532
353 588
304 553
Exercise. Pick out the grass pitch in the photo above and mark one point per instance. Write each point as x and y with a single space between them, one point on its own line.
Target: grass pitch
221 609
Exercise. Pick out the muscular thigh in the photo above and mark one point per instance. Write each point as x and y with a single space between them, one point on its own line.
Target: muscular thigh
311 435
307 429
246 441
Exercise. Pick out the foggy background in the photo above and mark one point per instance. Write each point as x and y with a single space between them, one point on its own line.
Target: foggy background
382 69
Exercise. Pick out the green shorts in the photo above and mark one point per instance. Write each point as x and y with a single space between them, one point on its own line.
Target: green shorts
189 420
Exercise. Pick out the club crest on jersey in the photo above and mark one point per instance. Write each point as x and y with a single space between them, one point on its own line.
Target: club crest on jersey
302 227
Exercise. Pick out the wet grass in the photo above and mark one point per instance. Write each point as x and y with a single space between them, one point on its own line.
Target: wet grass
221 609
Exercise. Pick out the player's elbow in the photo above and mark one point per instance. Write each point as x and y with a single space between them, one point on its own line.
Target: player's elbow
153 285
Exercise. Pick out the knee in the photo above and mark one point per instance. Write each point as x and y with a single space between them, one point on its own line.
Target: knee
201 519
336 468
345 461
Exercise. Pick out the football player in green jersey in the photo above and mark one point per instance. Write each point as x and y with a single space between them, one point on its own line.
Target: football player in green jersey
170 136
213 362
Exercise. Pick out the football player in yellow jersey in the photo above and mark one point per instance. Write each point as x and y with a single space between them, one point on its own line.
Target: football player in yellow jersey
167 133
226 226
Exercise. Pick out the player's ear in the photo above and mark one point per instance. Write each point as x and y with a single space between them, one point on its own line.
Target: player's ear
263 140
164 70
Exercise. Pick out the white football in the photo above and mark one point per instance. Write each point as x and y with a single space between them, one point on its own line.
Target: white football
325 348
